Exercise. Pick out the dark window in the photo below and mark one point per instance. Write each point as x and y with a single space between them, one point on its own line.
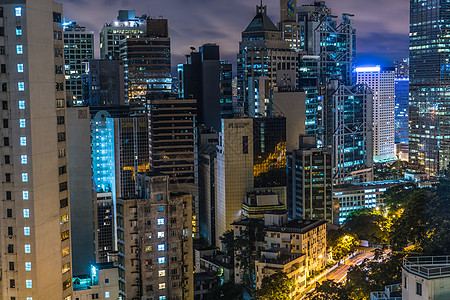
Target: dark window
1 12
149 288
4 87
10 231
5 123
58 69
3 68
10 248
2 31
12 283
11 266
60 120
56 17
61 136
6 141
63 186
245 144
59 86
419 288
2 50
9 213
63 203
62 170
57 34
5 105
7 158
106 280
8 195
8 177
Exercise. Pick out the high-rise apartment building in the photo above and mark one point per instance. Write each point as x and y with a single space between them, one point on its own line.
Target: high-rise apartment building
159 249
147 62
78 50
382 83
262 53
429 80
127 25
310 182
205 78
36 245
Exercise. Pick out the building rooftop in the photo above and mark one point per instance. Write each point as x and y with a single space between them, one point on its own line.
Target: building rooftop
280 256
293 226
261 22
428 267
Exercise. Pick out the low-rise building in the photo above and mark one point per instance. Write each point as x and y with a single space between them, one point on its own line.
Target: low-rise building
259 202
101 283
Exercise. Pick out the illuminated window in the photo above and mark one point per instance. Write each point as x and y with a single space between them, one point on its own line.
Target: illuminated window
22 123
160 221
21 86
160 234
160 208
25 195
27 249
162 297
162 273
20 68
159 197
161 260
23 141
24 177
26 213
148 248
29 284
21 104
161 247
29 298
18 11
18 30
64 219
66 268
26 230
106 294
23 159
19 49
28 266
64 235
65 251
162 286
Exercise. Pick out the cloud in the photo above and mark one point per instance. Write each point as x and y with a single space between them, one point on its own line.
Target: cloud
382 25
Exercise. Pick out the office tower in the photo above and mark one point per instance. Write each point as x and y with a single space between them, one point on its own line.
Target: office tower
81 188
401 110
251 154
310 182
429 79
36 248
382 83
290 30
262 53
104 83
401 67
205 78
334 42
348 129
291 105
147 62
269 152
159 249
78 50
127 25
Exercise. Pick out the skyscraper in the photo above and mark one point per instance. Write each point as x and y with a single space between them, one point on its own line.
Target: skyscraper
127 25
78 50
36 247
205 78
382 83
147 62
402 110
262 53
429 127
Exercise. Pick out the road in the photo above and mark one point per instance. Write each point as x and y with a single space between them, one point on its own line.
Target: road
340 273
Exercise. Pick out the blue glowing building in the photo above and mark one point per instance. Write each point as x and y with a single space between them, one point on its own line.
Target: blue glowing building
401 110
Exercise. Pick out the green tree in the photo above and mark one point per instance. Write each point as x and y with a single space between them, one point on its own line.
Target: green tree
367 226
228 242
342 243
329 290
277 286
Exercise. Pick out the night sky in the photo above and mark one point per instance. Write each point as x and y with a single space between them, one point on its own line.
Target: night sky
382 25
